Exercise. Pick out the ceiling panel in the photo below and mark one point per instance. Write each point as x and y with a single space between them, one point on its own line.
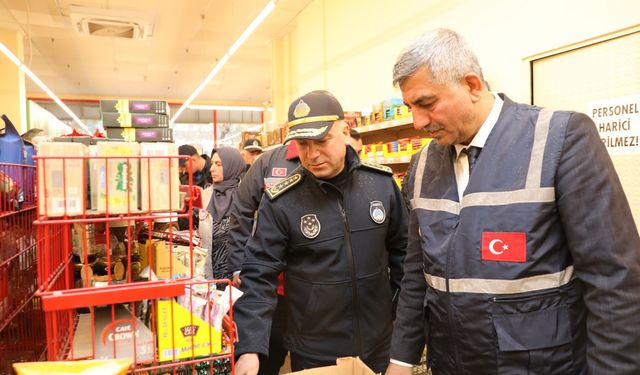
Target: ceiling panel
188 37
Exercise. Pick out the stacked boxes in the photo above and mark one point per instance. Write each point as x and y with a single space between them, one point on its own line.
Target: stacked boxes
136 120
114 181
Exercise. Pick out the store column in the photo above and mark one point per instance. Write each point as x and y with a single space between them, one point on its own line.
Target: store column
12 90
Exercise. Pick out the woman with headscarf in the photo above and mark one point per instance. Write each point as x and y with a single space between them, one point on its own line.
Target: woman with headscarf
227 167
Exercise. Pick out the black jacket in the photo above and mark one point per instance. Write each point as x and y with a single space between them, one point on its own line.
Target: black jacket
269 169
336 249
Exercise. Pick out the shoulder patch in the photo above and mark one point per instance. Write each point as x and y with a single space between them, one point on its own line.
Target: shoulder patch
376 166
284 185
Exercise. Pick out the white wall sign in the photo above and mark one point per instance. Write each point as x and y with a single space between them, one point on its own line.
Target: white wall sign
618 122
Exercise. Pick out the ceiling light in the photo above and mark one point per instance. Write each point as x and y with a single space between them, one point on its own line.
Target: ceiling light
206 107
7 52
234 47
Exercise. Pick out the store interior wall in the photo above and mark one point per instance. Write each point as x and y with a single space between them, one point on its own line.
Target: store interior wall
349 46
13 101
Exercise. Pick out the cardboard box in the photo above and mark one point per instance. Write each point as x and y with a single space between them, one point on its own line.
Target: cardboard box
185 335
108 331
109 177
140 134
61 182
343 366
134 106
136 120
173 263
159 180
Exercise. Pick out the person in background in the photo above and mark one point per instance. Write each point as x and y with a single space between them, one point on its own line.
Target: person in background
336 227
355 140
200 167
227 167
251 149
509 270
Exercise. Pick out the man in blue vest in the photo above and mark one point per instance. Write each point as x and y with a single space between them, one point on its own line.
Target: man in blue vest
523 255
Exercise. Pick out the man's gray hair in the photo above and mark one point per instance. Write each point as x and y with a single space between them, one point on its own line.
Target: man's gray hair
444 52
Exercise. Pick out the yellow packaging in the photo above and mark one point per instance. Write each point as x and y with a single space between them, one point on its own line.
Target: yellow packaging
117 178
85 367
61 182
159 180
184 333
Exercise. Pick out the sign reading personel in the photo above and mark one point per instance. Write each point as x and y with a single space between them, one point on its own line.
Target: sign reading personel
618 122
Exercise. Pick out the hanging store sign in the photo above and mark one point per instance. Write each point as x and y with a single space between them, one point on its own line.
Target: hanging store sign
618 122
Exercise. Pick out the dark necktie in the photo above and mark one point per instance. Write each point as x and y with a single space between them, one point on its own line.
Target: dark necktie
472 155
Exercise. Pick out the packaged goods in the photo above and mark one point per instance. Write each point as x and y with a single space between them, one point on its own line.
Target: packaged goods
135 120
141 134
113 337
61 179
134 106
114 181
159 180
343 366
86 367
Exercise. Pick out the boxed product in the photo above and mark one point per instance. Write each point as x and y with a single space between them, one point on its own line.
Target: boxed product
141 134
134 106
136 120
61 181
343 366
183 333
113 337
176 262
159 179
114 182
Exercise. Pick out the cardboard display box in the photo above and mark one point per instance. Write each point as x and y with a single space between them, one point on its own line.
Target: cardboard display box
159 181
117 178
183 334
135 120
134 106
343 366
61 182
140 134
112 333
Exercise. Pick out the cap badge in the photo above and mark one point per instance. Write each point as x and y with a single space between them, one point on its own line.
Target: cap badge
310 226
255 142
302 109
376 210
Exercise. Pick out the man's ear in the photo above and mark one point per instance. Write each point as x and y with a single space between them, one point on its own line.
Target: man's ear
474 85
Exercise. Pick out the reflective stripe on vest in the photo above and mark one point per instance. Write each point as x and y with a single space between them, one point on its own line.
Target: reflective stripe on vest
532 193
493 286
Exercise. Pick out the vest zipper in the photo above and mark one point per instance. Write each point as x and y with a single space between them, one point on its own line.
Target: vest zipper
354 281
452 330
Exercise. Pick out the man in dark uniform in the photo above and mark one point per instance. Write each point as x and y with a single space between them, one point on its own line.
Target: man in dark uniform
337 228
200 166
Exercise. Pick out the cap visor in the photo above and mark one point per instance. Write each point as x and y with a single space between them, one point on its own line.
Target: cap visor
312 131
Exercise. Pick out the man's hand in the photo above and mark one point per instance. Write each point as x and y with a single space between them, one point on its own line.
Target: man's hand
394 369
236 280
249 364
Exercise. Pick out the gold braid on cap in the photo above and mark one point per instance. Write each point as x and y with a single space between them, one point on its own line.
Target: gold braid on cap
307 120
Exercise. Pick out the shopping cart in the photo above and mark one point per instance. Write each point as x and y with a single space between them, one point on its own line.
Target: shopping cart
21 317
106 287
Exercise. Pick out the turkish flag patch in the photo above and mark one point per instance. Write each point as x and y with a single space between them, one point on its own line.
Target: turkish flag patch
504 246
279 172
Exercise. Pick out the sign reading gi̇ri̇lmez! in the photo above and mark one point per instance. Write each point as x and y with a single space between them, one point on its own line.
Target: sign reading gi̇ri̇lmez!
618 122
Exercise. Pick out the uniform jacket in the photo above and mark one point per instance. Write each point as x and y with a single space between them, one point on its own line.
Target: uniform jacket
536 270
336 251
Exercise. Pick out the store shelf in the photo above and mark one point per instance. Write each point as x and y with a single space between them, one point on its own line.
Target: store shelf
391 160
401 122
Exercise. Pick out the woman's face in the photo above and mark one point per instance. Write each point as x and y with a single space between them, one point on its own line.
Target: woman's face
217 174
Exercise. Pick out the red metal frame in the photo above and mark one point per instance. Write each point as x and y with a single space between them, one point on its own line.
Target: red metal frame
66 263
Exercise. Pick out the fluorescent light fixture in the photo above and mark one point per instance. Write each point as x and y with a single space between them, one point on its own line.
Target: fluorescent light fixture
206 107
234 47
7 52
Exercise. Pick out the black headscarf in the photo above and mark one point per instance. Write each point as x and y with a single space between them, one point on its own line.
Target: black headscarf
232 168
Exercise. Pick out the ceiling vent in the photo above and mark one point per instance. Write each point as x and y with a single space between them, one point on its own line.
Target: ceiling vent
111 23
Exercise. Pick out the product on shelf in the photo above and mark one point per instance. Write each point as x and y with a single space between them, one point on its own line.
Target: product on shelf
114 181
158 177
140 134
134 120
134 106
61 182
